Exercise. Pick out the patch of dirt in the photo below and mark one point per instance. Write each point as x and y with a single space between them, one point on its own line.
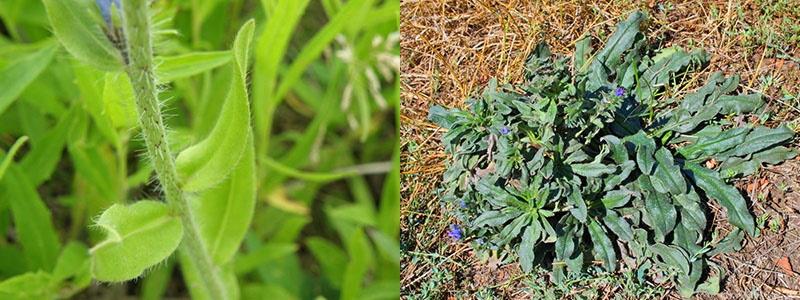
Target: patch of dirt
768 267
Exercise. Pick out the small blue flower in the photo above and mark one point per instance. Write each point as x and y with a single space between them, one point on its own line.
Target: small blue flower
462 203
455 232
105 8
619 92
504 130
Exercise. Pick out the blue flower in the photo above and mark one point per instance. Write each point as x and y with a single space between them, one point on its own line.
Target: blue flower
455 232
619 92
462 203
105 8
504 130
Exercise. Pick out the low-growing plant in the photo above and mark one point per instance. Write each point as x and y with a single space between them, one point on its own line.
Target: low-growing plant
587 163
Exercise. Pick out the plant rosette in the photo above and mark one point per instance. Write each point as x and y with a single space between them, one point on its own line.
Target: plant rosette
586 163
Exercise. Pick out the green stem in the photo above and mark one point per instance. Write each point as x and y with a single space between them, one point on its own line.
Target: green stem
140 69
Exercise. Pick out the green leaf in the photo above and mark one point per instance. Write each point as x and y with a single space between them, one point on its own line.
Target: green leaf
593 169
710 145
739 166
739 104
270 51
761 138
170 68
672 256
32 220
138 236
331 258
668 177
118 100
360 253
227 209
618 225
730 243
729 197
526 254
16 76
81 35
645 147
692 214
9 157
603 248
265 254
616 198
624 36
45 155
156 281
210 161
494 218
38 285
659 211
74 260
579 210
583 49
194 282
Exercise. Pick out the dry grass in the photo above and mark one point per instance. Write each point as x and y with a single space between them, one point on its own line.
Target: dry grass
451 48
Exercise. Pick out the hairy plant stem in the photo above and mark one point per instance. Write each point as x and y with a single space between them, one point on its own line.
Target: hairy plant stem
140 69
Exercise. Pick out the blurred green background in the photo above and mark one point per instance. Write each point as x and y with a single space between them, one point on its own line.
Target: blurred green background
325 98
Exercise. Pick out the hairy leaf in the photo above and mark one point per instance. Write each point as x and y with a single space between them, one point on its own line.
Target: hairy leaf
138 236
603 248
210 161
667 177
226 209
77 30
729 197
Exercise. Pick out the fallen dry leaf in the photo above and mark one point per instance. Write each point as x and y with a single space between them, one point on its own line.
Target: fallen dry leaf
785 266
711 163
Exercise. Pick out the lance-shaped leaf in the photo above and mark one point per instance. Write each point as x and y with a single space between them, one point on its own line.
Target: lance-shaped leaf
668 177
672 256
138 236
579 210
619 42
644 147
739 166
729 197
739 104
668 62
710 145
692 214
592 169
526 251
761 138
659 211
170 68
226 209
44 156
81 34
618 225
33 224
616 198
603 248
16 76
210 161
